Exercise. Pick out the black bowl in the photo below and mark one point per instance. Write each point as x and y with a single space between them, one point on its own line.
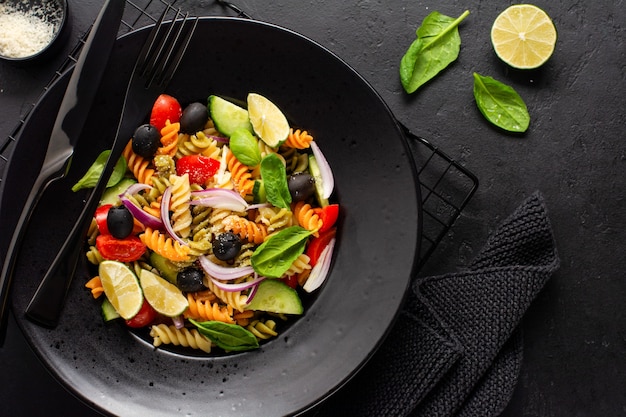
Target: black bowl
119 372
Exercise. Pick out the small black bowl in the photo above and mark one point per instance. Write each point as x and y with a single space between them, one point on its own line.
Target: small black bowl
29 28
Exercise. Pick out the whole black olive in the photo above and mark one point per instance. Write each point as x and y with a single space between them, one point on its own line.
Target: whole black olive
226 246
301 186
120 222
194 118
190 280
146 141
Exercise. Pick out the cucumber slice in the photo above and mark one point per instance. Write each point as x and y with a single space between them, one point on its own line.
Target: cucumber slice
314 170
108 311
111 194
168 270
276 297
258 192
227 116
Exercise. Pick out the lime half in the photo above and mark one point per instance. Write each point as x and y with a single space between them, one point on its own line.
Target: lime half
268 122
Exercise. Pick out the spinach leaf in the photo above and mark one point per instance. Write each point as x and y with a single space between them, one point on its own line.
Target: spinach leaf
274 256
500 104
437 45
245 147
91 177
274 178
230 337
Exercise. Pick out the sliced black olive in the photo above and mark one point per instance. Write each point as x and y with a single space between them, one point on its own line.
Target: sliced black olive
190 280
146 141
120 222
301 186
226 246
194 118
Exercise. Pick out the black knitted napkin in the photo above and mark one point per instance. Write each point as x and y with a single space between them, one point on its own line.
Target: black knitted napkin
456 348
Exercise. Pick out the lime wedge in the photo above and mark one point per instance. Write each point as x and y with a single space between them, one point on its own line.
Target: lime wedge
121 288
523 36
163 296
268 122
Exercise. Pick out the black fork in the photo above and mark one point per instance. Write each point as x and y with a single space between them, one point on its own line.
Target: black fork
155 67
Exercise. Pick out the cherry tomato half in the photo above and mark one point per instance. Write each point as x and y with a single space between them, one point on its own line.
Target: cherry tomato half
165 108
101 218
144 317
291 280
329 215
200 168
124 250
316 245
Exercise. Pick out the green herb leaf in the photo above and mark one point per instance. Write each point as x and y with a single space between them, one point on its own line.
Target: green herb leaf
274 178
230 337
274 256
91 177
437 45
500 104
245 147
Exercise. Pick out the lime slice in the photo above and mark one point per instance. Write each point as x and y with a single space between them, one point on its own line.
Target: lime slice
523 36
227 116
163 296
121 288
268 122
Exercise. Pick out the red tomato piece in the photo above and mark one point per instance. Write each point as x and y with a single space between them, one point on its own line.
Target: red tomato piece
316 245
101 218
291 280
124 250
329 215
200 168
146 315
165 108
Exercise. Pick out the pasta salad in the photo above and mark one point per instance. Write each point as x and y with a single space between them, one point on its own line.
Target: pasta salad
214 223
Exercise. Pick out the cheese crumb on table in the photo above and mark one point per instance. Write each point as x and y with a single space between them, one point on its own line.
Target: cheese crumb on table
24 33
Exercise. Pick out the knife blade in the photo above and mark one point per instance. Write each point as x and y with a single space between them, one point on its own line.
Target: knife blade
75 106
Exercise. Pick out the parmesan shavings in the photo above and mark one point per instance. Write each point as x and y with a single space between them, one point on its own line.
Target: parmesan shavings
24 32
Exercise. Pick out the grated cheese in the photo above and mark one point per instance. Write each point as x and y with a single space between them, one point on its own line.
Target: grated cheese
25 31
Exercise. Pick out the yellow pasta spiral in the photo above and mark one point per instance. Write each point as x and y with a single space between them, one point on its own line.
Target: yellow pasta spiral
234 299
307 217
138 165
164 246
206 310
164 334
169 139
263 330
179 205
298 139
246 229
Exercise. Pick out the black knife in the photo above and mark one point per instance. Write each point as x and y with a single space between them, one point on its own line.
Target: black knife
75 106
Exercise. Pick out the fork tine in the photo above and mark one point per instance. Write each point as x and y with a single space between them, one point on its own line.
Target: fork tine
148 48
172 63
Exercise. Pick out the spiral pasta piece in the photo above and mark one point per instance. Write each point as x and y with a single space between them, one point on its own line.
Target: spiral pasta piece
164 246
95 285
240 174
179 205
298 139
263 329
206 310
274 218
138 165
307 217
93 255
234 299
164 334
169 139
298 266
246 229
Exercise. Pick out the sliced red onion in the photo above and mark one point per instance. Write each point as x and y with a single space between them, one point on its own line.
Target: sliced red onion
179 321
320 270
165 215
328 181
219 138
220 198
135 188
259 205
142 216
222 272
237 287
252 293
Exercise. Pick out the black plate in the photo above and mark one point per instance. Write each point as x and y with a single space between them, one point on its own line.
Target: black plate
117 372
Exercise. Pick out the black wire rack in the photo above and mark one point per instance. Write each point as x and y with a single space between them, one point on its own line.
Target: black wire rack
446 185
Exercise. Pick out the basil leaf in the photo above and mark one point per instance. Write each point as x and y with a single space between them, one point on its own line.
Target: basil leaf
274 256
230 337
437 45
274 178
91 177
245 147
500 104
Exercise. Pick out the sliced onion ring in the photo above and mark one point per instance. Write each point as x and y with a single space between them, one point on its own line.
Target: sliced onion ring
320 270
165 215
143 217
328 181
237 287
220 198
222 272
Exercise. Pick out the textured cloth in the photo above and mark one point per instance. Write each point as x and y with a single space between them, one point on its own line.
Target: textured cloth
456 348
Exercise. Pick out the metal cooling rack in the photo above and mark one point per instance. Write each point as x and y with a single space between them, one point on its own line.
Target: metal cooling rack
446 185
